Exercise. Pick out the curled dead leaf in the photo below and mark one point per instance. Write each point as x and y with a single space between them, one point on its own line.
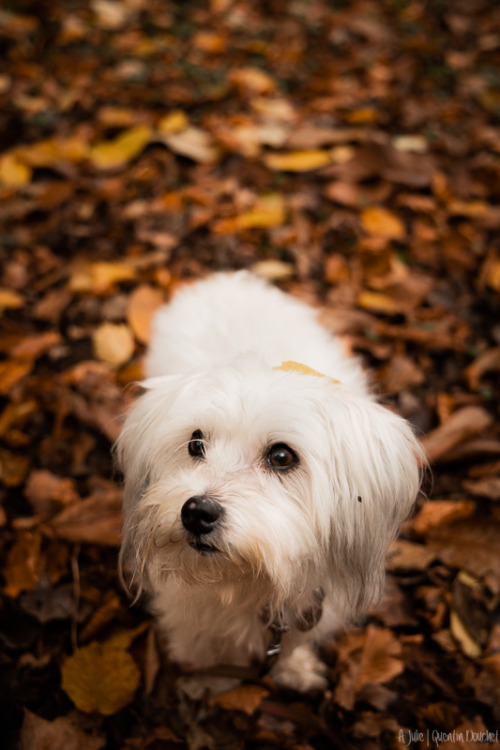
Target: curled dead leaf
380 222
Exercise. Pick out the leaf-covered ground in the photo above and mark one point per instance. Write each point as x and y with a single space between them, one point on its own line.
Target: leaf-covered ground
347 151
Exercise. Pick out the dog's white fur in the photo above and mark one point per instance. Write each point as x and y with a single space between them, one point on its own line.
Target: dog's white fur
324 524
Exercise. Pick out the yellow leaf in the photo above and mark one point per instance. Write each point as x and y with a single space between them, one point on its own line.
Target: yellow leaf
100 678
125 638
99 277
269 211
174 122
113 343
376 301
143 303
13 173
380 222
10 300
298 161
49 152
121 150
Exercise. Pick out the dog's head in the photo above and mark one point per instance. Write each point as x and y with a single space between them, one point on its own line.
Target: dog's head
248 473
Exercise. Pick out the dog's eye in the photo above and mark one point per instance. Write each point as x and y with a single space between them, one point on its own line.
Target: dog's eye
280 457
196 446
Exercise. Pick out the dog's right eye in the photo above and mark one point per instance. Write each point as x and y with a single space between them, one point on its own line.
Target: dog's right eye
196 445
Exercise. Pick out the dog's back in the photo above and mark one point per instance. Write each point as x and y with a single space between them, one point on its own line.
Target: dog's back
233 314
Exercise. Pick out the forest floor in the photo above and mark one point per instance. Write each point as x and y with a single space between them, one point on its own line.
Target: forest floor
348 152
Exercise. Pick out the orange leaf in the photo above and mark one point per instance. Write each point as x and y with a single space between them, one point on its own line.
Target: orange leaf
246 698
298 161
143 303
100 678
13 173
380 222
99 277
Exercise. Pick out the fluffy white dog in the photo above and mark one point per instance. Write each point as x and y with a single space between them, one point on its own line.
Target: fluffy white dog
263 483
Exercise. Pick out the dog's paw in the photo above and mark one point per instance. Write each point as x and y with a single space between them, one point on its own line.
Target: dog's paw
301 670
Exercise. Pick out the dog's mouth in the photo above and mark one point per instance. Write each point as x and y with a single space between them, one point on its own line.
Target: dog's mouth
203 548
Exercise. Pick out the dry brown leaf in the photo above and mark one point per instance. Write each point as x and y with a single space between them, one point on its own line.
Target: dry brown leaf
118 152
143 303
113 343
460 427
469 646
60 734
399 373
472 545
45 491
406 555
96 520
486 487
298 161
380 222
246 698
24 563
380 658
488 361
13 467
100 678
441 512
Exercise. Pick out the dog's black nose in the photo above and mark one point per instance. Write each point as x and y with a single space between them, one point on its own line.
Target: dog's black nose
200 514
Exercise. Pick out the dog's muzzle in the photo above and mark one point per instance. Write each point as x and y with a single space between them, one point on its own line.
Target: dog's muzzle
200 516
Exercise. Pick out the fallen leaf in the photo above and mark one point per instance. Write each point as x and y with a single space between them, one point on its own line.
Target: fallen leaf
487 487
10 300
298 161
143 303
23 567
246 698
12 371
406 555
13 467
441 512
269 211
61 734
488 361
174 122
100 678
378 302
380 222
13 172
252 79
99 277
194 143
45 491
460 427
273 270
113 343
95 520
118 152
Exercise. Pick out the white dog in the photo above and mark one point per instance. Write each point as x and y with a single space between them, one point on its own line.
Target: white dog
263 483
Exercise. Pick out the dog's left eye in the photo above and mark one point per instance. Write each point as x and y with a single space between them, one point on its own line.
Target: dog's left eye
280 456
196 445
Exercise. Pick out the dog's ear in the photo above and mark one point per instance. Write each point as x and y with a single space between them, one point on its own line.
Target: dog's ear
377 469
